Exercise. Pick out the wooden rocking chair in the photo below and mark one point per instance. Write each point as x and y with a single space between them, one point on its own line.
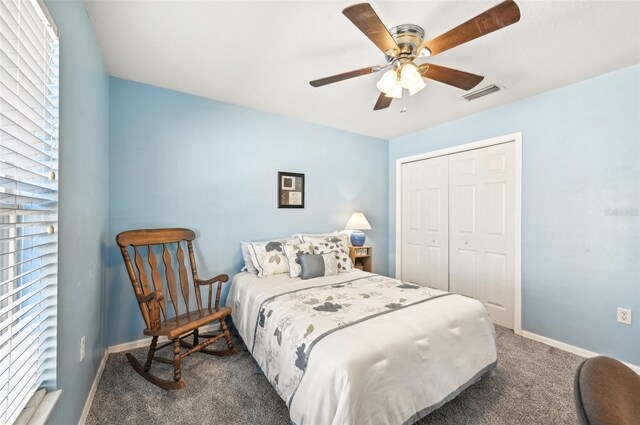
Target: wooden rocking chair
151 297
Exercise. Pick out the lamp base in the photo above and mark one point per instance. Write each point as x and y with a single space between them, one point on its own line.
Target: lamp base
357 238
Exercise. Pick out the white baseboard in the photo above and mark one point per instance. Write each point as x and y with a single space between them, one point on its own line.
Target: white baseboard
94 387
131 345
570 348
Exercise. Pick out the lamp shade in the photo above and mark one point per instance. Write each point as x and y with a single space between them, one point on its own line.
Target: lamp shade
388 81
357 222
411 79
409 75
390 85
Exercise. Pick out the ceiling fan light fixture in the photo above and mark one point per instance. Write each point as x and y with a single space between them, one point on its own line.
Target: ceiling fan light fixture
411 79
403 43
396 92
409 75
388 81
419 85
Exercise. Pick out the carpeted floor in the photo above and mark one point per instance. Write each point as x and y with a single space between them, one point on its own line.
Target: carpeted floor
532 385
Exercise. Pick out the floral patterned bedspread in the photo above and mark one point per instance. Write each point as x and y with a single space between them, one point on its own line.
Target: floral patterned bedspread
290 324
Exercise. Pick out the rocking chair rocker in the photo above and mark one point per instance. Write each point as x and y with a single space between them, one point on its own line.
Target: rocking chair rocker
151 298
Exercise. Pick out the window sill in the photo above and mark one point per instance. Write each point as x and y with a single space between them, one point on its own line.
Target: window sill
38 409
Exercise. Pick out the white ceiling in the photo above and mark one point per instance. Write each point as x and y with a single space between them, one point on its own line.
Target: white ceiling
263 54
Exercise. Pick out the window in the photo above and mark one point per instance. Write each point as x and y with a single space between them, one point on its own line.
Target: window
28 203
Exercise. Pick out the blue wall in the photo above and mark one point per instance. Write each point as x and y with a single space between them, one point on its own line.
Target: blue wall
581 158
83 206
182 160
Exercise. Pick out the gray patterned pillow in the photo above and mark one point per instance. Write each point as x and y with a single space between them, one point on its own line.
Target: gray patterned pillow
331 264
333 244
313 265
293 254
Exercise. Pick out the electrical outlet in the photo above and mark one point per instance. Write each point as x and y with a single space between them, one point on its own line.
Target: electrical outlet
82 349
624 315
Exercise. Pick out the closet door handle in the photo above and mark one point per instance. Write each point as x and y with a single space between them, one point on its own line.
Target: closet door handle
465 242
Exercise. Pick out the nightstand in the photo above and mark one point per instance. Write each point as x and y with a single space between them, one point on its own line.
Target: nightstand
362 257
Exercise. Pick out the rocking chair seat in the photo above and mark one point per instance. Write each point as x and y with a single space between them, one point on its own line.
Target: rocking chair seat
177 326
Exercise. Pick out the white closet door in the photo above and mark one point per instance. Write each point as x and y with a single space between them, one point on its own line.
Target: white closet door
482 228
425 244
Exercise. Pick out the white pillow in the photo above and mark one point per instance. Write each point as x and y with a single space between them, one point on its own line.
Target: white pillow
293 253
248 264
316 235
246 256
268 257
331 238
334 243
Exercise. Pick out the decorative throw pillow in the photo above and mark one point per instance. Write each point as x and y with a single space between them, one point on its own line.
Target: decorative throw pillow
293 254
331 239
269 258
336 244
331 264
314 265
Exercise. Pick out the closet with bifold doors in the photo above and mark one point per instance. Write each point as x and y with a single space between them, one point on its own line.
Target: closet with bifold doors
458 227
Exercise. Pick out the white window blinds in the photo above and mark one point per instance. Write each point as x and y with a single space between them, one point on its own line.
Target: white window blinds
28 203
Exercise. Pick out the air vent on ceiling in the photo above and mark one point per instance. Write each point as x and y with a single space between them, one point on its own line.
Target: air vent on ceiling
482 92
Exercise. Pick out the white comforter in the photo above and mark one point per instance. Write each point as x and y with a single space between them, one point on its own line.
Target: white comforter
390 357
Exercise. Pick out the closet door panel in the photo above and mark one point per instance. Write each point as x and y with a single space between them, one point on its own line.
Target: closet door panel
496 199
498 179
481 228
412 231
434 210
496 291
433 267
411 259
464 210
464 273
424 239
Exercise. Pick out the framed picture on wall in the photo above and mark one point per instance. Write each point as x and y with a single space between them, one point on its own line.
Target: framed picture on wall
290 190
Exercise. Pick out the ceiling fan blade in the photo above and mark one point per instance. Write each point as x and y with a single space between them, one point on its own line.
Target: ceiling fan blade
383 102
453 77
500 16
366 19
344 76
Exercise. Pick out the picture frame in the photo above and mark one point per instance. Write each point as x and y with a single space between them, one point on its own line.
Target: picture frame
290 190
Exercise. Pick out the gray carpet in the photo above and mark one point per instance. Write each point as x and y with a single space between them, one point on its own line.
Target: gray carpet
532 385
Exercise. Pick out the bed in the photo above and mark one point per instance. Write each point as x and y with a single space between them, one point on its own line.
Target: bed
360 348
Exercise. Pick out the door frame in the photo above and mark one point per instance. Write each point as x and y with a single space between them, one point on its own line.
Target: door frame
516 139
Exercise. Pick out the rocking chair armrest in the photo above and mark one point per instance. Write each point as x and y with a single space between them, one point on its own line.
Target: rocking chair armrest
153 308
155 295
219 278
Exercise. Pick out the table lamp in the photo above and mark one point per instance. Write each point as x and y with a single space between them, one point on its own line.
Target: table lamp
358 222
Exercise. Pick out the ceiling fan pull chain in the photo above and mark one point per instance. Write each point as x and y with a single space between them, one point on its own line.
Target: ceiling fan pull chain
404 102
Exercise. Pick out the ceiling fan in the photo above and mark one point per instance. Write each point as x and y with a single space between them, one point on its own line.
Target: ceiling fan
403 44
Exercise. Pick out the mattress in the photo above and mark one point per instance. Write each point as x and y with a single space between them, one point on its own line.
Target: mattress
360 348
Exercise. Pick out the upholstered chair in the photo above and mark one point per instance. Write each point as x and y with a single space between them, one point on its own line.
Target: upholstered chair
607 392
